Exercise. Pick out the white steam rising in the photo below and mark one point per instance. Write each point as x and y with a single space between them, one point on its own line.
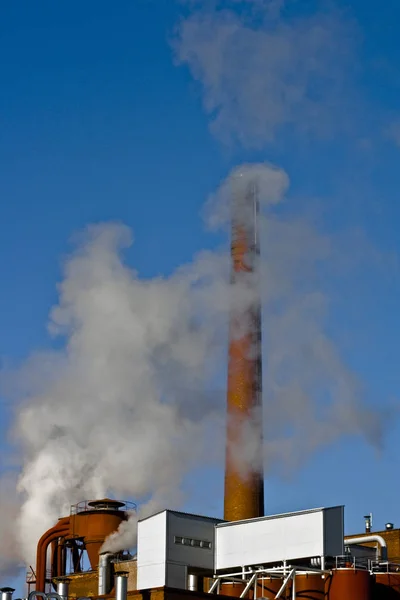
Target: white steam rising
261 72
130 404
115 416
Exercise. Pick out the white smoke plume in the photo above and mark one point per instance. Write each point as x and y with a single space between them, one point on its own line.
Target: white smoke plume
10 555
111 418
261 72
128 405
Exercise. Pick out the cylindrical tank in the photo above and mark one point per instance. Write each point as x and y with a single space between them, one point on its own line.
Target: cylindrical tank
349 584
310 586
232 589
95 524
387 586
268 587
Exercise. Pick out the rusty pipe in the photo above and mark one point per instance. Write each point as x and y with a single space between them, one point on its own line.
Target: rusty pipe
41 557
60 529
61 558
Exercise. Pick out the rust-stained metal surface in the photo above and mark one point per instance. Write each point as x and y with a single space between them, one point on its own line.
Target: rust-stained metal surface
89 525
95 526
310 586
83 584
61 529
349 584
244 486
268 587
387 586
231 589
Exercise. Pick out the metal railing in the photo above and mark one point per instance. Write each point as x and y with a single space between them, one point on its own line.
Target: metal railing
86 506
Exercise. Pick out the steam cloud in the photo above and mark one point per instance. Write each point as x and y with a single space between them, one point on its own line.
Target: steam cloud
129 406
125 408
260 72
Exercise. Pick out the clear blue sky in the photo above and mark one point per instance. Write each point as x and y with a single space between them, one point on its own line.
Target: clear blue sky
97 123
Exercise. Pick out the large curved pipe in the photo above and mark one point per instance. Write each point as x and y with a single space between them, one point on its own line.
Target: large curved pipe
59 530
369 538
41 557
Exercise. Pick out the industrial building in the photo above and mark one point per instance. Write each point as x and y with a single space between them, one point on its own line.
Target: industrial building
247 554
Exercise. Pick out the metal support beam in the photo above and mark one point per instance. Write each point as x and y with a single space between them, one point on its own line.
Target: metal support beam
284 584
214 586
248 586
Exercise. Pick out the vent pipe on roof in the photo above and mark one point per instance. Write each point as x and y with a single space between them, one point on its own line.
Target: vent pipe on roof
368 523
6 593
121 585
104 569
62 588
192 583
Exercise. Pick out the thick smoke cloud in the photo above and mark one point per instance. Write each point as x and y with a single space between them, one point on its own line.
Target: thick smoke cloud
261 72
130 404
112 418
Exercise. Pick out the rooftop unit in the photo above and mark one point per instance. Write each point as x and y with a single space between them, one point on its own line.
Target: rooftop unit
287 537
171 546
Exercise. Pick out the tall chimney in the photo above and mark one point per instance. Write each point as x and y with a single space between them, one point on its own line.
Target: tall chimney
244 484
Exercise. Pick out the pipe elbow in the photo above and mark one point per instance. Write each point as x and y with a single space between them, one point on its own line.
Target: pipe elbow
369 538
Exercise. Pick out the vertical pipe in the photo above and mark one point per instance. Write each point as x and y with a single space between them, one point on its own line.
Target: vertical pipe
121 585
52 535
104 570
62 588
6 593
244 485
192 582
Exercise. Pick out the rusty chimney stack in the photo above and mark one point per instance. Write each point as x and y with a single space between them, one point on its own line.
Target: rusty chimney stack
244 483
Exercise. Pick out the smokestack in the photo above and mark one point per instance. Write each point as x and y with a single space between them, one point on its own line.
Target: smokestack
244 487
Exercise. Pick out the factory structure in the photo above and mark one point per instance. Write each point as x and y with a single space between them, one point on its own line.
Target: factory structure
247 554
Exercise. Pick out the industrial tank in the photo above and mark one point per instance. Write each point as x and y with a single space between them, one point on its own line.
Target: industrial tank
232 589
310 586
349 584
387 586
94 521
268 587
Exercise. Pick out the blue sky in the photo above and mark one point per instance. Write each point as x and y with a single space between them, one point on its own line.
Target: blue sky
98 124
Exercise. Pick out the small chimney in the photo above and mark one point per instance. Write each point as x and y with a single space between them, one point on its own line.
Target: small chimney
62 588
6 593
121 585
389 526
368 523
104 571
